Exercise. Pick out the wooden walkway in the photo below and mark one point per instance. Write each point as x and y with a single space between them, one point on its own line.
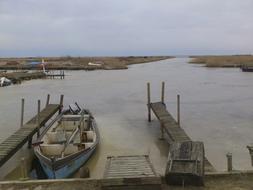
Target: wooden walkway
129 166
171 127
13 143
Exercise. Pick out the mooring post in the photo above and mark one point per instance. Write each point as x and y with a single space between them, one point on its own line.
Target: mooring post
63 74
48 99
22 112
178 109
250 148
149 110
23 169
229 162
38 120
162 93
61 103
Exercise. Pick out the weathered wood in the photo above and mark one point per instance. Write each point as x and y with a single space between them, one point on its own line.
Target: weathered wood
172 128
178 109
22 112
162 92
229 162
185 163
148 95
14 142
129 166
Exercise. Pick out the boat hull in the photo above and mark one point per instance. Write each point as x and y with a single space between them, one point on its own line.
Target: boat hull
67 169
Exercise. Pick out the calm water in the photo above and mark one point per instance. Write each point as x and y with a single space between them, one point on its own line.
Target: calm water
216 107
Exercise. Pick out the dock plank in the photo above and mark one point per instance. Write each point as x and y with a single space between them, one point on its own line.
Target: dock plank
12 144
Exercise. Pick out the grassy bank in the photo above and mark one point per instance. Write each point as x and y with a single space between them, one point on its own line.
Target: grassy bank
223 61
78 63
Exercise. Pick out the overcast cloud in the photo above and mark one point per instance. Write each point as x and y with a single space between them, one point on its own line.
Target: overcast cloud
125 27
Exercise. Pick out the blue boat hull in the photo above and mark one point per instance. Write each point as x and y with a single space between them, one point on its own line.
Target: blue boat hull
69 168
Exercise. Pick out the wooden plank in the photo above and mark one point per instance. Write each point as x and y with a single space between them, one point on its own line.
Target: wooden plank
185 164
12 144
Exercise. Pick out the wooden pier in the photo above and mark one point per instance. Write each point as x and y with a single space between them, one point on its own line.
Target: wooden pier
169 125
13 143
136 171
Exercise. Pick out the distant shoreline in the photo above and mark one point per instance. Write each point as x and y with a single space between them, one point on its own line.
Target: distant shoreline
223 61
76 63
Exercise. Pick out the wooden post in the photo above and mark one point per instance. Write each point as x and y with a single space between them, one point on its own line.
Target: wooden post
149 110
38 120
250 148
229 162
23 169
61 103
162 93
48 99
63 74
178 109
22 112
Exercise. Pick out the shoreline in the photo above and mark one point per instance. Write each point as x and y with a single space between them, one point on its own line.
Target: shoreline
229 61
77 63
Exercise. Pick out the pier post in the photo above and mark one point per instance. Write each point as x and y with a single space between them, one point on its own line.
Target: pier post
178 109
148 95
22 112
63 74
229 162
250 148
23 169
162 93
48 99
61 103
38 120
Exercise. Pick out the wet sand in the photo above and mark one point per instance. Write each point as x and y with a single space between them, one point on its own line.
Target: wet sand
216 108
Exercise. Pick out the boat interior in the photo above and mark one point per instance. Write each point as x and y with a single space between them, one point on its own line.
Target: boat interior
70 134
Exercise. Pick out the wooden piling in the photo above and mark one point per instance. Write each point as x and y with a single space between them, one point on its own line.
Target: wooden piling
250 148
178 109
162 92
229 162
148 95
23 169
61 103
22 112
38 120
48 99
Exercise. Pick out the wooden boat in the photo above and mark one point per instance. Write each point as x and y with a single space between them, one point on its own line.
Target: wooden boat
246 69
67 143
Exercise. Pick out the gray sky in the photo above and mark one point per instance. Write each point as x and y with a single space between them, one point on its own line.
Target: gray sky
125 27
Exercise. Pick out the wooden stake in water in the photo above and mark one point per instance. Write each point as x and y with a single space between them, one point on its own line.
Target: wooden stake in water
61 103
38 120
48 99
23 169
148 95
22 112
178 109
229 162
162 93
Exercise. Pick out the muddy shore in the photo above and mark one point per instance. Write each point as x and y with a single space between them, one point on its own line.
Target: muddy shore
76 63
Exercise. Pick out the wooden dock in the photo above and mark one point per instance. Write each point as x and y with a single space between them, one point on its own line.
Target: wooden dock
176 134
13 143
137 172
